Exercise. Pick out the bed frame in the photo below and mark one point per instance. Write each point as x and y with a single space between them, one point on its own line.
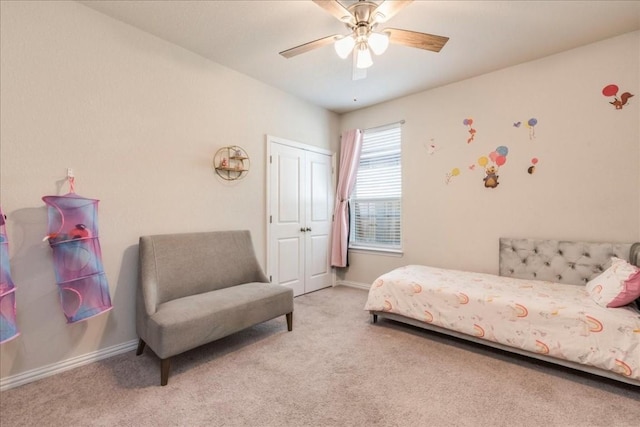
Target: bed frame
571 263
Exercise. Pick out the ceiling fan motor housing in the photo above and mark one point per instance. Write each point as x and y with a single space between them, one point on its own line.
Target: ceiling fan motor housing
361 15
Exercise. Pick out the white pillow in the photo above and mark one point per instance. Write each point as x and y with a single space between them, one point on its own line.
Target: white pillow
618 285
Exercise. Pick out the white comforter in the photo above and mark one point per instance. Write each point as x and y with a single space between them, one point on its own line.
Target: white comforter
554 319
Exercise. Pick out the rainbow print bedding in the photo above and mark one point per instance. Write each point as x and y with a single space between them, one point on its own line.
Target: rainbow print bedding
553 319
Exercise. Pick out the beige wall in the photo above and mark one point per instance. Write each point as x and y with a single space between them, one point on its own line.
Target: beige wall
586 183
138 120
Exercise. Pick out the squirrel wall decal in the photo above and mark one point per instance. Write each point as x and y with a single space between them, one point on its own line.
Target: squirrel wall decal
618 103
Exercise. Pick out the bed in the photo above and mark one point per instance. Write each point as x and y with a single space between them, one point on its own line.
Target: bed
539 304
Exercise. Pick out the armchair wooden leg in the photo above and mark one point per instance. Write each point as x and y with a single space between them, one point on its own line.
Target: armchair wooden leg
165 364
140 349
289 321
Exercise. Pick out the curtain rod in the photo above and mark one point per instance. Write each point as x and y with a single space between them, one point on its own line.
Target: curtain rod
400 122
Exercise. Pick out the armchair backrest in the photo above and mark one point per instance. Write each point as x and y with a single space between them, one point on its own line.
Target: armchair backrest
173 266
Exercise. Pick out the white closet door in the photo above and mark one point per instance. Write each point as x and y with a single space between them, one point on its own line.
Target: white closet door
300 216
319 210
287 244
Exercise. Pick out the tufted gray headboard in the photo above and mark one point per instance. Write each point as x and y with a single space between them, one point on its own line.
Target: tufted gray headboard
573 263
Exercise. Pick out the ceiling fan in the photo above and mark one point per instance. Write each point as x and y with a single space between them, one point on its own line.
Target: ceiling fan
362 18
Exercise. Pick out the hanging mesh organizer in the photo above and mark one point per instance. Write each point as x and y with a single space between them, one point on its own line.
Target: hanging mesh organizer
77 258
8 325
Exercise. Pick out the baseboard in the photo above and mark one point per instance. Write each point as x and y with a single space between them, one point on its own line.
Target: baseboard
66 365
350 284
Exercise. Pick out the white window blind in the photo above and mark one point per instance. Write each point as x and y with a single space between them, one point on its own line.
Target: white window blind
376 199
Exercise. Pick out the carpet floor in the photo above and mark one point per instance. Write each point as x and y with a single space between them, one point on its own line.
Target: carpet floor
335 368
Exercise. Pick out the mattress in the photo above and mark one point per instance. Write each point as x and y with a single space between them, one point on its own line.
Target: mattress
551 319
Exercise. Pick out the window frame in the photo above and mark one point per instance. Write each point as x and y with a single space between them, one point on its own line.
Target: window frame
357 245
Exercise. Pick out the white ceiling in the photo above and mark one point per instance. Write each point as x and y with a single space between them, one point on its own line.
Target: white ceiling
485 36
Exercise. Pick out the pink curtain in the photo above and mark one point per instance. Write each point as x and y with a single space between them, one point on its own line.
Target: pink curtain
351 147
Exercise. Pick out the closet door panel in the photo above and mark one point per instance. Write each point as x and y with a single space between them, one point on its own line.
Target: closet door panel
287 201
318 221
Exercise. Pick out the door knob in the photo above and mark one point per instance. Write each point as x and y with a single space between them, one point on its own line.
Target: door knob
302 229
308 229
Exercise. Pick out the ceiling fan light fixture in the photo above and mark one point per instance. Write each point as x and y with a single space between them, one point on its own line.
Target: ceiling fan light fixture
378 18
344 46
378 42
363 59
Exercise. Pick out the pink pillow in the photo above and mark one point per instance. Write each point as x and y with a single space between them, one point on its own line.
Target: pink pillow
617 286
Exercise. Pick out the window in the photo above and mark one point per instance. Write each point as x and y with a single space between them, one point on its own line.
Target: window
377 197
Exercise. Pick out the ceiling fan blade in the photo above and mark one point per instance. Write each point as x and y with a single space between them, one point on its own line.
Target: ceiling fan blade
309 46
337 10
387 9
415 39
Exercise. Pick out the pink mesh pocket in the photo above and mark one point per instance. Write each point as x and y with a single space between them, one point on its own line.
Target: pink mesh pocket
77 258
85 297
8 323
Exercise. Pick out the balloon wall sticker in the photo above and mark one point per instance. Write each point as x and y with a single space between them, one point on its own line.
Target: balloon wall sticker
531 169
472 132
450 175
8 324
492 164
77 257
612 90
531 124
